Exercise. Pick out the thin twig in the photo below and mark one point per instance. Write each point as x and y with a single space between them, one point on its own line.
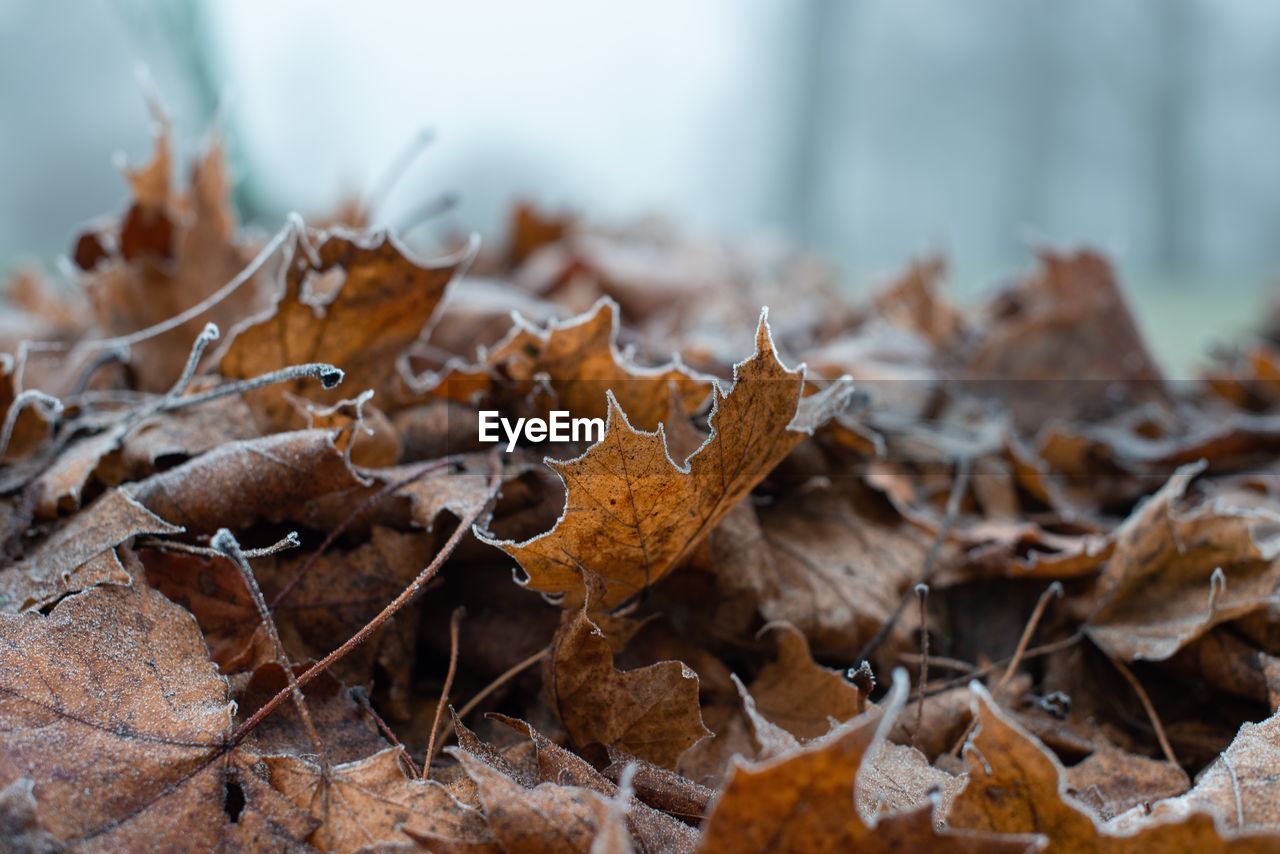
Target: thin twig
362 698
958 488
289 542
938 661
1053 591
206 337
922 592
291 228
981 672
225 542
385 614
454 621
396 171
1165 747
507 675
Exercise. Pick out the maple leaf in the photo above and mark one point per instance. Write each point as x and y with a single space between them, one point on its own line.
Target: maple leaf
651 712
371 802
114 712
1177 573
1016 786
354 301
800 695
632 513
166 255
804 801
579 359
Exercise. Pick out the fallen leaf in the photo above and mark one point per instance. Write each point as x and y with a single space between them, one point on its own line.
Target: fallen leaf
372 803
1176 573
1016 786
121 747
353 301
651 712
548 817
804 801
80 553
632 513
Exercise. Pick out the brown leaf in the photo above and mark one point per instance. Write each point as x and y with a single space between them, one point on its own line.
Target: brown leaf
238 483
1241 787
372 803
1177 573
167 254
1063 343
1111 781
804 801
548 817
651 712
800 695
632 513
341 592
356 302
651 829
580 360
115 712
79 554
1016 786
344 726
816 562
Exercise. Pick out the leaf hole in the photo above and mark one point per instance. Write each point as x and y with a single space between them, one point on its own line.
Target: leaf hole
233 800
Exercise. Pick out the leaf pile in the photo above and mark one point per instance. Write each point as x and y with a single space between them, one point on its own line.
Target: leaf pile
845 575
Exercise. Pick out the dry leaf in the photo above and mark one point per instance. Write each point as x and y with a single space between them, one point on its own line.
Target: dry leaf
633 514
1177 573
347 300
651 712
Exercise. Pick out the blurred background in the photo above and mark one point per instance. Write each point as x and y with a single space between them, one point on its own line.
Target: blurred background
870 130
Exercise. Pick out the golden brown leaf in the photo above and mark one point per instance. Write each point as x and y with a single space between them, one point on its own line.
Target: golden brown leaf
804 801
579 358
1016 786
633 514
651 712
356 302
168 253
